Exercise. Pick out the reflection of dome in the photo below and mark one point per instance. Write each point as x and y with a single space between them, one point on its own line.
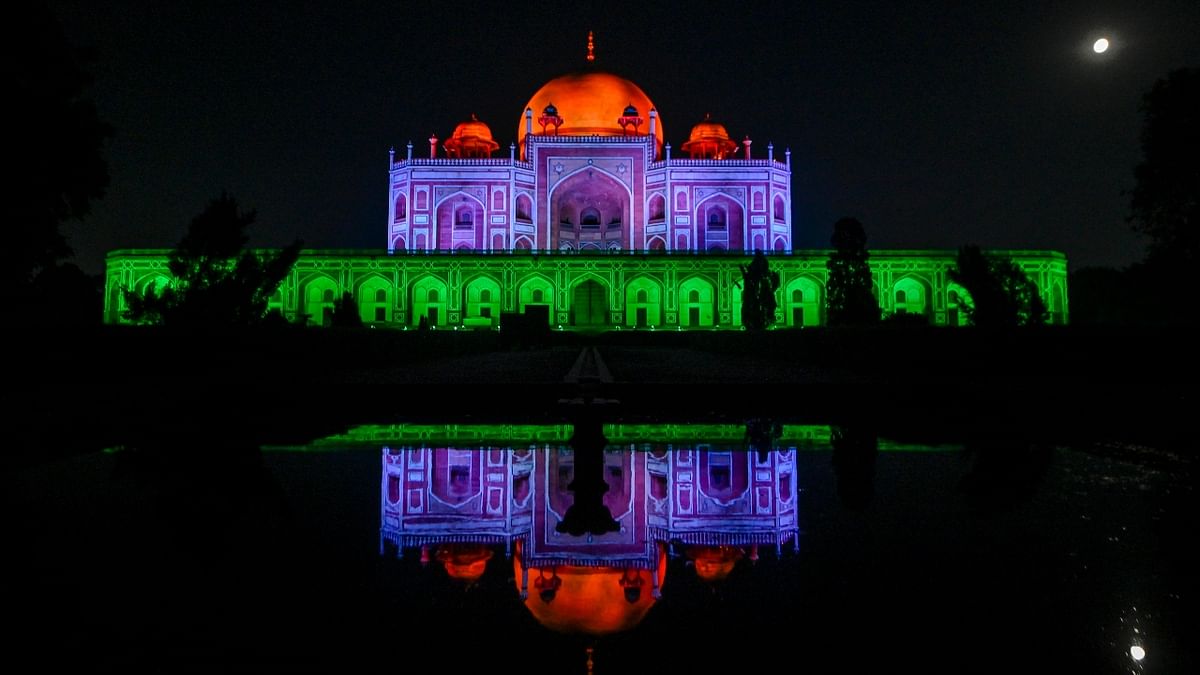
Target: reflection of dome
590 600
709 140
589 103
714 563
471 139
465 562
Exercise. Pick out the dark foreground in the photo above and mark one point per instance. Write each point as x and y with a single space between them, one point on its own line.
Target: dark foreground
118 386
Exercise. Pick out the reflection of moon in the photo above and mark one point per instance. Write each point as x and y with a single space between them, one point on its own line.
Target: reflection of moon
1100 46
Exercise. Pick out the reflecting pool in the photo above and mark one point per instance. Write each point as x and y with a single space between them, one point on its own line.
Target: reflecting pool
639 548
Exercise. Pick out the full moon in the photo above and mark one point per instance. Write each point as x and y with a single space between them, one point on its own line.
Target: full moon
1100 46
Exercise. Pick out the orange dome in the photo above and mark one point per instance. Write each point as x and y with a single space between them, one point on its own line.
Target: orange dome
714 563
471 139
590 103
465 562
709 140
591 600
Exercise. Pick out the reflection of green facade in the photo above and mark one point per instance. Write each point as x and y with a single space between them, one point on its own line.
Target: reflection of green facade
685 291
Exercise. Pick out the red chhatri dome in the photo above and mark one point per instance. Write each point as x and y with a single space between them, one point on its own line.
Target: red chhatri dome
709 140
471 139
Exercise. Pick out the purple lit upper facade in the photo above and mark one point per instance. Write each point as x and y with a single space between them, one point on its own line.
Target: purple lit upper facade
589 171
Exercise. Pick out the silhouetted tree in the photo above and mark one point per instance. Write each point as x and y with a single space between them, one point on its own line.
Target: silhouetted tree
216 281
54 149
345 312
1001 293
848 296
1165 202
759 284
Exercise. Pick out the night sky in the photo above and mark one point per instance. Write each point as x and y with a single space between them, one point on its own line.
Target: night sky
936 124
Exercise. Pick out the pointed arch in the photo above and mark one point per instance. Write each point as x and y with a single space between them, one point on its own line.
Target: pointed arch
643 302
429 296
535 289
375 295
910 295
482 300
696 302
320 292
803 302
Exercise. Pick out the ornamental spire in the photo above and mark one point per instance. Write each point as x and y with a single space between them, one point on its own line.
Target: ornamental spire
591 48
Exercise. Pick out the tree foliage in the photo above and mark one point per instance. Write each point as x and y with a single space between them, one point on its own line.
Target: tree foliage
55 152
848 297
345 312
216 281
1001 294
759 284
1165 202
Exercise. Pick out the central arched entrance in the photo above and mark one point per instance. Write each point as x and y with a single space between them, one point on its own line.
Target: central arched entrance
589 304
590 211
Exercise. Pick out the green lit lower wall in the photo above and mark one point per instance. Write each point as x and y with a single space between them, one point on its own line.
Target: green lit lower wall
686 292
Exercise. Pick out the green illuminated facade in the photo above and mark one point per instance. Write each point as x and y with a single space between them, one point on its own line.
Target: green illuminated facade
618 290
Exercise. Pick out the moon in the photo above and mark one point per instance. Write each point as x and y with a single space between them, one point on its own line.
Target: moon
1100 46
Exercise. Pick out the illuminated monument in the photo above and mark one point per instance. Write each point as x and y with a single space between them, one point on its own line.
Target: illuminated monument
593 216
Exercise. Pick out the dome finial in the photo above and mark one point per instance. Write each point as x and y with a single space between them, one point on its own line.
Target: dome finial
591 48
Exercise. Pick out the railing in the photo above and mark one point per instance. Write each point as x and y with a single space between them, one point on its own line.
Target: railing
774 164
555 138
462 161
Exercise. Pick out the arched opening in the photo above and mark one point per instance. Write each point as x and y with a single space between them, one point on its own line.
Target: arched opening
537 292
696 304
908 297
374 301
643 303
429 300
522 244
591 208
780 245
401 211
715 217
589 304
657 208
779 214
958 301
657 244
497 201
464 217
481 306
681 201
524 208
803 298
758 201
318 300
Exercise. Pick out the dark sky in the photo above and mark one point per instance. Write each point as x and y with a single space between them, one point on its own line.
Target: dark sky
936 124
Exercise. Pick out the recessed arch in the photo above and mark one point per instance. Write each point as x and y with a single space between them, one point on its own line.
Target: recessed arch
535 290
643 302
589 299
482 299
320 291
400 211
958 301
429 295
696 302
910 295
802 299
589 208
375 295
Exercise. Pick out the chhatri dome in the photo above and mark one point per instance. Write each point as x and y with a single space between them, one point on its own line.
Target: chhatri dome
590 103
471 139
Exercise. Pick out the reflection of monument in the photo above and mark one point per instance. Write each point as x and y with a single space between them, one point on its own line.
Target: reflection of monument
713 502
